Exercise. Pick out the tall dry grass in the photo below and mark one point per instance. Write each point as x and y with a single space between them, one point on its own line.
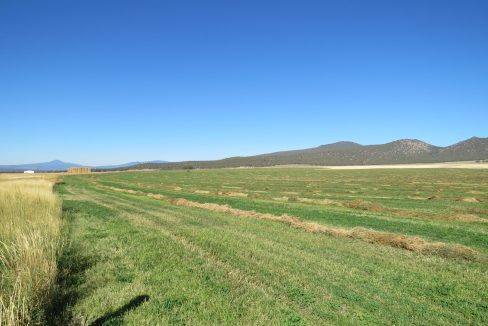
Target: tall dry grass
29 243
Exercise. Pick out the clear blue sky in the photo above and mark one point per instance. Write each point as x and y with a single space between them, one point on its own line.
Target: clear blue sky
101 82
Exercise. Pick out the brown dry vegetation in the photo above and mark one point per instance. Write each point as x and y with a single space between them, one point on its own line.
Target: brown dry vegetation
471 200
202 192
467 218
30 242
364 205
360 204
232 194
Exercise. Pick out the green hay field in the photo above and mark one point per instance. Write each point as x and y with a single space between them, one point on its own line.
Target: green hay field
139 254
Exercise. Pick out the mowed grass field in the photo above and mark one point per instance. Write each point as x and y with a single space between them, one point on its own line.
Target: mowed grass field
275 246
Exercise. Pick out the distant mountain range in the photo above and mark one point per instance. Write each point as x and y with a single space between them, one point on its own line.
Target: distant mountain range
350 153
58 165
401 151
128 165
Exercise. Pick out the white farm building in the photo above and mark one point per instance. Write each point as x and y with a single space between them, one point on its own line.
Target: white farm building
29 171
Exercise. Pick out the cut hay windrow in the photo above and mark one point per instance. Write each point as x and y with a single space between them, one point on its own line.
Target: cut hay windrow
232 194
415 244
363 205
356 204
410 243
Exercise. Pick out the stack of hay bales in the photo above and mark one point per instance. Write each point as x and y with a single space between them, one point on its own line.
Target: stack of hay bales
79 170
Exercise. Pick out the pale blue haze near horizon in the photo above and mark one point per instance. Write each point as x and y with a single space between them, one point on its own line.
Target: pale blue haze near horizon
102 82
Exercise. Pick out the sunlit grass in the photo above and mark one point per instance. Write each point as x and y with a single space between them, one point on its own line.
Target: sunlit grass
29 243
217 247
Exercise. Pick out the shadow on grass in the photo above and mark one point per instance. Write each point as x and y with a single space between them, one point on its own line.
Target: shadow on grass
71 269
71 284
133 304
71 264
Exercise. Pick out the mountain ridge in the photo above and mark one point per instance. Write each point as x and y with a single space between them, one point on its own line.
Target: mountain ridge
401 151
